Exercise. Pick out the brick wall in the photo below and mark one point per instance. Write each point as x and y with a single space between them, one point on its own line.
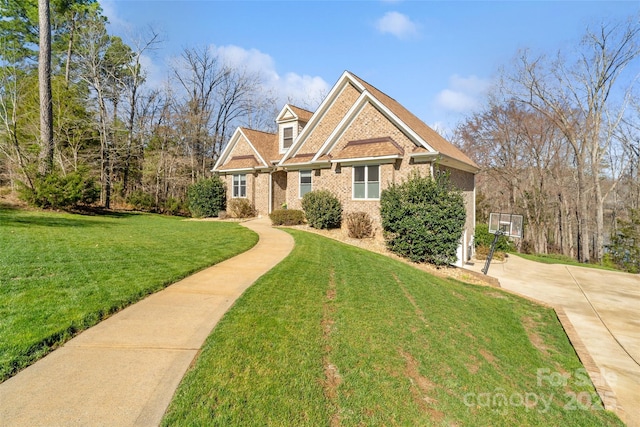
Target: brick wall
242 148
370 123
330 120
260 193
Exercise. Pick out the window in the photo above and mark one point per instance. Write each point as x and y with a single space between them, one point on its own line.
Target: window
305 182
366 182
287 137
239 185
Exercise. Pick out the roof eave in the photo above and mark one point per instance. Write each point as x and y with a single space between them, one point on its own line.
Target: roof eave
426 157
234 170
457 164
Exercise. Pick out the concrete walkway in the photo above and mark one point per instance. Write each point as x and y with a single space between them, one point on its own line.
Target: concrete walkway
604 309
125 370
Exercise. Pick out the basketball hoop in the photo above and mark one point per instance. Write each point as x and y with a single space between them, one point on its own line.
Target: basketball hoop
502 224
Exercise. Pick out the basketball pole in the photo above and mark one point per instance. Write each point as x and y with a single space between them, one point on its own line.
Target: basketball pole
493 248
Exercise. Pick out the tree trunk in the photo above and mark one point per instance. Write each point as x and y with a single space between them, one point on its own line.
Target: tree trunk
599 238
44 79
67 68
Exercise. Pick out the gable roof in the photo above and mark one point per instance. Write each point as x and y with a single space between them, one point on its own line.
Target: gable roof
429 144
264 146
433 138
296 113
303 115
265 143
422 135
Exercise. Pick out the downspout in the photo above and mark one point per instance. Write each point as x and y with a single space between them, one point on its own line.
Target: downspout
270 191
473 224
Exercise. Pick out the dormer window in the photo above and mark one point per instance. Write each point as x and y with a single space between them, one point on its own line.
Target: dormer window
287 137
290 122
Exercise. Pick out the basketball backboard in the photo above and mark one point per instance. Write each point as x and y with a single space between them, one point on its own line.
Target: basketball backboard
508 224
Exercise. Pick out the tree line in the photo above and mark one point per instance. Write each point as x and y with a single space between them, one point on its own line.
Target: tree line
140 144
559 142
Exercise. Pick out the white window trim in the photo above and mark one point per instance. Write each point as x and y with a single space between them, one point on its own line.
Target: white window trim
239 186
300 195
291 126
366 181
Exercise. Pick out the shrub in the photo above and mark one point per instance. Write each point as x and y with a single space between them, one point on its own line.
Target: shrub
423 219
482 252
359 225
207 197
240 208
322 209
173 206
482 237
526 247
624 250
287 217
61 191
142 201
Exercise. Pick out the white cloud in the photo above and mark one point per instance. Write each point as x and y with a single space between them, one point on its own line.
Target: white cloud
109 10
250 59
305 90
464 94
155 76
397 24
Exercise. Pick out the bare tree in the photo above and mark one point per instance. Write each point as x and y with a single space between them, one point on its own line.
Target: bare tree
10 145
521 158
576 97
132 81
216 98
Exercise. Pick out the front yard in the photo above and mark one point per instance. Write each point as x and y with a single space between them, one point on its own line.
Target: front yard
336 335
62 273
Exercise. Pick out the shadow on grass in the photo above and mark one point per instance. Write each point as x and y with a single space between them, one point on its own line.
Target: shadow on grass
16 217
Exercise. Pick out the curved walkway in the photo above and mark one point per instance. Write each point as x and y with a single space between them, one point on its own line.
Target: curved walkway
604 309
125 370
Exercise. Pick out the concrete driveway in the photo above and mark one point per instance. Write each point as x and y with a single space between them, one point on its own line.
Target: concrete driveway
604 309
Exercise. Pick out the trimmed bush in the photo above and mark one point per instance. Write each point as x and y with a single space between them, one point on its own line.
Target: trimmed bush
359 225
57 191
240 208
482 237
423 219
287 217
207 197
322 209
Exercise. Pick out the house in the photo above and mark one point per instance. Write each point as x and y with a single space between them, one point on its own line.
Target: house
355 144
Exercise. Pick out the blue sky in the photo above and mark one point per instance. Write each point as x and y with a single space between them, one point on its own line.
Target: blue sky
437 58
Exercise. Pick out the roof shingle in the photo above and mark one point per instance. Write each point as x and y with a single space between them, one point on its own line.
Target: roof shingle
377 147
418 126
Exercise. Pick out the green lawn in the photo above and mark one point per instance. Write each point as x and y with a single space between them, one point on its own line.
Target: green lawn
564 260
335 335
61 273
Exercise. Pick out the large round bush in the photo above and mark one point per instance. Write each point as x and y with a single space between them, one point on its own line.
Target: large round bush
207 197
322 209
423 219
